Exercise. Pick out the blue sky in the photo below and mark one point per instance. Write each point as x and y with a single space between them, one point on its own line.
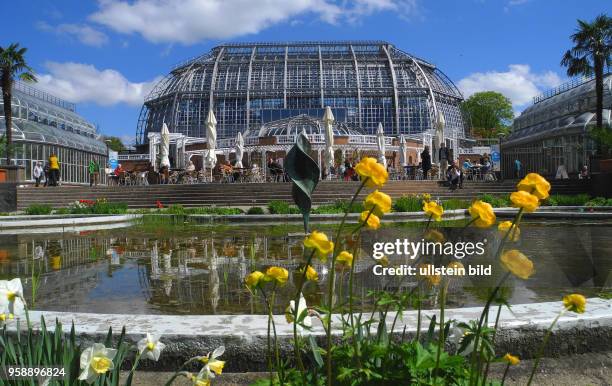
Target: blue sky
106 55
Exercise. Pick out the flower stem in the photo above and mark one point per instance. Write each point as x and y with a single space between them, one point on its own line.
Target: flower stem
441 332
298 354
544 343
505 374
484 381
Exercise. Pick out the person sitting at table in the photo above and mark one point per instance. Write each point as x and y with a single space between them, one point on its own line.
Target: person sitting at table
467 164
164 174
454 176
584 173
190 167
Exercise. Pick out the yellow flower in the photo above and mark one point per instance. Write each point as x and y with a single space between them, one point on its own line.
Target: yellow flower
511 359
383 261
320 243
483 214
378 200
197 381
504 227
527 201
456 266
311 274
535 184
428 270
426 197
375 173
431 208
575 303
434 236
345 258
280 275
253 279
517 263
373 220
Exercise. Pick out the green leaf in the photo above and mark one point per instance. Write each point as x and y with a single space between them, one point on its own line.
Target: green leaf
316 353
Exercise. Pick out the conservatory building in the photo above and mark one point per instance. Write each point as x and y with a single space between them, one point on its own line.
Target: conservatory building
251 87
44 124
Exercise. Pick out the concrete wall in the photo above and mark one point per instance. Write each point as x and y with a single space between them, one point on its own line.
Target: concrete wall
8 197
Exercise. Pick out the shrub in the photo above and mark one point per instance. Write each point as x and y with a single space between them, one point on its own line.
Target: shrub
255 210
495 201
98 207
408 204
214 210
282 207
597 201
339 206
61 211
568 199
37 209
455 203
177 209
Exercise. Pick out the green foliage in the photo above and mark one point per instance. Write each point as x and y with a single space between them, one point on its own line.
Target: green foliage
214 210
567 199
255 210
99 207
282 207
408 204
490 113
602 135
52 348
496 201
455 203
37 209
599 201
114 143
339 207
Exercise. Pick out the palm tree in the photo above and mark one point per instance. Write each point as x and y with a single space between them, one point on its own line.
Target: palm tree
592 52
12 65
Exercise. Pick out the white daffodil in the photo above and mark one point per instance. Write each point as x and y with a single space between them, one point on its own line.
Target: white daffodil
5 317
212 365
96 360
11 296
289 314
150 347
198 380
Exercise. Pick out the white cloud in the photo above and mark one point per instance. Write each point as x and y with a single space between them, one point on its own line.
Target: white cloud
82 32
191 21
519 83
78 82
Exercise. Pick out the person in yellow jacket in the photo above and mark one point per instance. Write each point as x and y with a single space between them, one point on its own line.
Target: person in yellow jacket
54 169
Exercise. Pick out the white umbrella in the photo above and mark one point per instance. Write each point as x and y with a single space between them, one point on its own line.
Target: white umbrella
402 150
380 140
239 146
440 129
211 138
328 120
164 146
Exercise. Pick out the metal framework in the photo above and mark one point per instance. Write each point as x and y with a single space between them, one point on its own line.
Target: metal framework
250 84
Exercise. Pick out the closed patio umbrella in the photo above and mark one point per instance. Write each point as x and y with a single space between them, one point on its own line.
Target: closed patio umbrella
239 146
210 159
380 140
164 146
402 150
328 120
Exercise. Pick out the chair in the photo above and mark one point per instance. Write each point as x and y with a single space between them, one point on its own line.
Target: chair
142 178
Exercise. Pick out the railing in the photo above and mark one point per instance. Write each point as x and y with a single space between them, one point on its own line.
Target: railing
572 83
133 157
44 96
369 139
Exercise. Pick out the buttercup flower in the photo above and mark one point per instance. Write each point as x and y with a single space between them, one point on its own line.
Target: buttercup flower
517 263
345 258
96 360
426 271
383 261
280 275
311 274
253 279
212 365
575 303
511 359
431 208
535 184
11 296
434 235
376 173
515 233
373 221
150 347
456 266
290 311
527 201
378 200
482 213
426 196
320 243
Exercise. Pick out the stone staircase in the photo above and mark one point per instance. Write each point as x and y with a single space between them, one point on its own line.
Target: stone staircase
259 194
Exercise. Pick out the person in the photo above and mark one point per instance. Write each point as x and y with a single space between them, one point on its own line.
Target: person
443 156
584 173
94 172
454 176
118 170
467 164
54 169
190 167
38 172
47 172
425 162
561 173
517 168
164 174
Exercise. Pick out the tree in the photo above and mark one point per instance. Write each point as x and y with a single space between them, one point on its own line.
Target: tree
12 66
592 52
490 113
114 143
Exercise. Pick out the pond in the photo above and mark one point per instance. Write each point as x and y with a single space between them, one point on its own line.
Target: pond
197 269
